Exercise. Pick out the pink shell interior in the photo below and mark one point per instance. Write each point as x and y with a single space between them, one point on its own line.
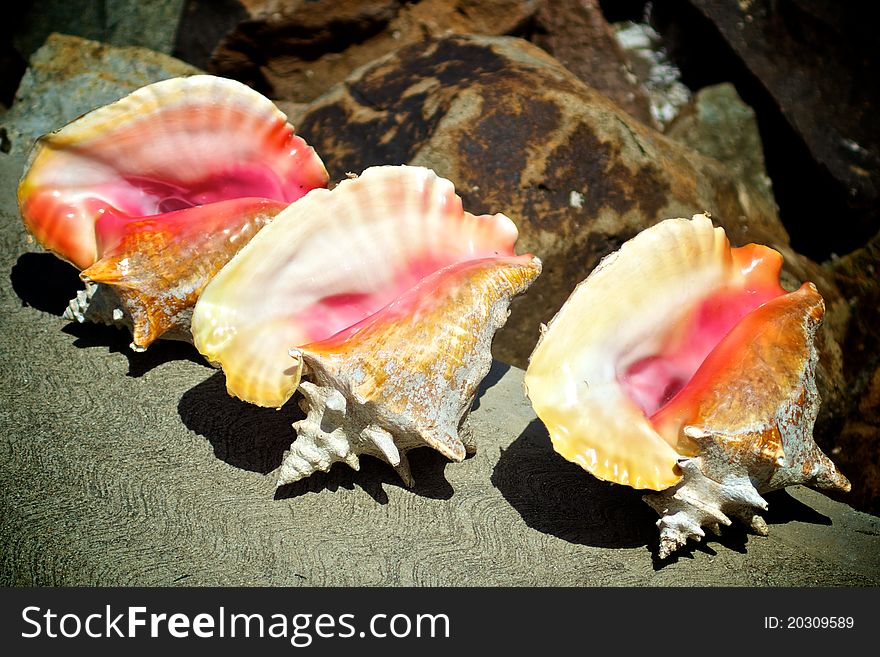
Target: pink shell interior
337 314
334 320
330 261
654 381
178 144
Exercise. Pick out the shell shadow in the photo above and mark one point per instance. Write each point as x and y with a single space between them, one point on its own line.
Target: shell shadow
253 438
784 508
117 341
427 467
44 282
47 283
557 497
245 436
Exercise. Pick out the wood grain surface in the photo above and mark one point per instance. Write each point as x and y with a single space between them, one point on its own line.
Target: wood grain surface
120 468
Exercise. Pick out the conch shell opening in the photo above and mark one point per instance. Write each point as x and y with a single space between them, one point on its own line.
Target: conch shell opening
681 365
152 194
385 294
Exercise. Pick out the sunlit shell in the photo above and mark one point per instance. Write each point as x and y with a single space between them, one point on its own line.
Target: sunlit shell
385 295
681 365
152 194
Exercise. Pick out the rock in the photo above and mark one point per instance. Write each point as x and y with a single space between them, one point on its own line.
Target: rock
652 68
856 449
297 49
518 133
69 76
818 61
719 124
12 64
118 22
576 33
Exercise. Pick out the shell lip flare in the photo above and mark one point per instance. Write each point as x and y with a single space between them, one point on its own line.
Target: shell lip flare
630 340
391 226
177 143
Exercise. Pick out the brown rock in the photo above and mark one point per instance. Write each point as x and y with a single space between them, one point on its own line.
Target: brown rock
576 33
297 49
518 133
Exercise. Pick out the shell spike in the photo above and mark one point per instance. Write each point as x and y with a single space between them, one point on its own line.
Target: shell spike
404 471
829 477
382 440
447 443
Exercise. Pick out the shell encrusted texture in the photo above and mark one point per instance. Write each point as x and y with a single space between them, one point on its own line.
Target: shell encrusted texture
726 480
405 384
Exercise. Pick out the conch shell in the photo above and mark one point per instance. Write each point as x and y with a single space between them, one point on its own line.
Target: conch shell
152 194
681 365
385 295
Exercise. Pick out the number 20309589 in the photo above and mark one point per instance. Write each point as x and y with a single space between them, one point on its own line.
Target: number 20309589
809 622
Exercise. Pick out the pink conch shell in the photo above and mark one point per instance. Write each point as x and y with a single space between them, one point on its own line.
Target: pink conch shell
385 295
681 365
152 194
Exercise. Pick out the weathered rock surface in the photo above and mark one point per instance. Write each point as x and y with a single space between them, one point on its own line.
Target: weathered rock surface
858 277
296 49
518 133
719 124
576 33
818 60
150 24
69 76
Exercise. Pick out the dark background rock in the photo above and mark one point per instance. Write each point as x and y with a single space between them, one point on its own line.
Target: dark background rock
858 277
717 123
296 49
809 69
151 24
27 25
12 62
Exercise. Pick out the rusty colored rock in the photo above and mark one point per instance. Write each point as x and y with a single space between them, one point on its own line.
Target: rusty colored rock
576 33
518 133
297 49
